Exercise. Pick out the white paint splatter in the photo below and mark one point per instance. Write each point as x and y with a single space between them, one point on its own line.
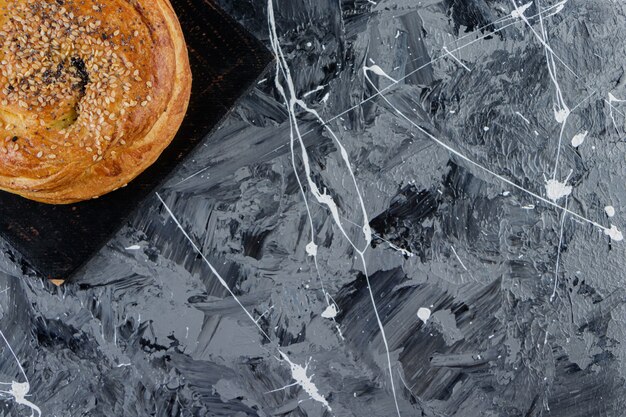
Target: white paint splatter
614 233
311 249
379 71
330 312
423 314
519 11
299 374
556 190
610 211
561 115
133 247
578 139
19 390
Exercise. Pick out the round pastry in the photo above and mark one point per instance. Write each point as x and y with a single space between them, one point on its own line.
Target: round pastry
91 93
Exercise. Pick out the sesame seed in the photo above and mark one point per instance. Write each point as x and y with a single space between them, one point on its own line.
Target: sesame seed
54 58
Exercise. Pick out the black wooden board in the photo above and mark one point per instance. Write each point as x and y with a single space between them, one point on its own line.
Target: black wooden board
55 241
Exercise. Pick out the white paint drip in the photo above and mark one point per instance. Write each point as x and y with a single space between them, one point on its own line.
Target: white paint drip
578 139
299 374
519 11
291 101
423 314
614 233
610 211
330 312
555 190
319 88
379 71
399 249
561 115
311 249
19 390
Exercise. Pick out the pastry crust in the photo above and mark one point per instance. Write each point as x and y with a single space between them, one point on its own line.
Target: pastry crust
91 93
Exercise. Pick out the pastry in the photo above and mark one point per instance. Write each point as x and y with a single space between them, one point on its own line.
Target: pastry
91 93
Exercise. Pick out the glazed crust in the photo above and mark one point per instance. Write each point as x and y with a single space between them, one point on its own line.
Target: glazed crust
91 93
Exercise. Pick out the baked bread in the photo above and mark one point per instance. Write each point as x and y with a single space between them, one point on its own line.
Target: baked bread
91 93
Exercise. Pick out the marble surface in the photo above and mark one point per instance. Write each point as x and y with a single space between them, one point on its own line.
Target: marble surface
416 212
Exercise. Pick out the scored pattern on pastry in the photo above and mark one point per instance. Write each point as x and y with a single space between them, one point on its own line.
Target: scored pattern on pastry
91 92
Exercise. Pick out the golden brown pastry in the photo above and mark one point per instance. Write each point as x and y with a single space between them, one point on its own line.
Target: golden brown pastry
91 93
